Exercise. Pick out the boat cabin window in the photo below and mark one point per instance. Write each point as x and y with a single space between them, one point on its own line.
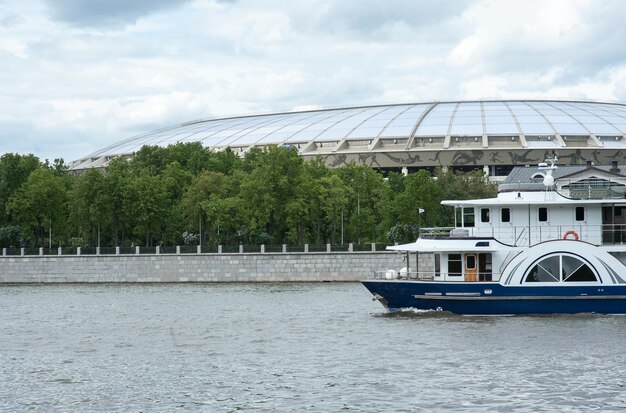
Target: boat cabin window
557 268
484 215
455 265
580 213
437 265
543 214
505 215
468 217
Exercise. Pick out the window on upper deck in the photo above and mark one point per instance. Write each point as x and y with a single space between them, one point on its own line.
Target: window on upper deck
505 215
484 215
580 213
561 268
542 213
468 217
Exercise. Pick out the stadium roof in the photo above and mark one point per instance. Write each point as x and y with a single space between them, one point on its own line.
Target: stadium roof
402 131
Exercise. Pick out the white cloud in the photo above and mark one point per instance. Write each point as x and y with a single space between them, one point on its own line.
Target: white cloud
105 12
14 47
75 79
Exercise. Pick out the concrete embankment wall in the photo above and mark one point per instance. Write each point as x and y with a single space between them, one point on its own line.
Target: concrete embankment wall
197 268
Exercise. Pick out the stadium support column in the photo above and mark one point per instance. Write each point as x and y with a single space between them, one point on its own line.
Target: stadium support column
486 171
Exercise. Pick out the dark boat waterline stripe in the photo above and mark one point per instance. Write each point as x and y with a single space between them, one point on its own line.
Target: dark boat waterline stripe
521 297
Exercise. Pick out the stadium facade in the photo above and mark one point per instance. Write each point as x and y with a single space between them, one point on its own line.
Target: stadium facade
494 135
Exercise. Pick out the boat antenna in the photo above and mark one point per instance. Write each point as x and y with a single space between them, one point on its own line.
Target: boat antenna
548 179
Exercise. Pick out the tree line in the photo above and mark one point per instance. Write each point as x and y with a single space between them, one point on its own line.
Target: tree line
185 194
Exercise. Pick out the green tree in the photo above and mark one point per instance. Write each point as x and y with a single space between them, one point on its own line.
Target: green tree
197 195
89 205
226 162
421 191
14 170
148 201
365 207
149 159
191 156
175 180
116 184
456 185
39 204
229 221
271 185
334 202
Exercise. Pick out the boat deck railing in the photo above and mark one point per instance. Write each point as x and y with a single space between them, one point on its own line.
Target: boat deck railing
608 234
430 276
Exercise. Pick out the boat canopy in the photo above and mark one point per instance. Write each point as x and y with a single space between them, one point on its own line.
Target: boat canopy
450 245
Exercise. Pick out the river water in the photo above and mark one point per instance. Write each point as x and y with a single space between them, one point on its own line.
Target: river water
322 347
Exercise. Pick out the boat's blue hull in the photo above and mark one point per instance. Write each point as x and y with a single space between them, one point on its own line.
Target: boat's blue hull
481 298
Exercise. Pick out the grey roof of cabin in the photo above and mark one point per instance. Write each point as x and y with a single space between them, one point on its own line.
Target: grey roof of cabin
524 174
521 177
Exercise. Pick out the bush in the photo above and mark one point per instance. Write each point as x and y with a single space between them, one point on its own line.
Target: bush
11 237
403 233
76 242
190 238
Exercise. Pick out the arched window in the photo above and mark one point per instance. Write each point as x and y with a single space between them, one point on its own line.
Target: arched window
574 270
561 268
546 270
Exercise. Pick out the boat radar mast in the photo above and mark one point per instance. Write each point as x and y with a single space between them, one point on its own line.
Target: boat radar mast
548 179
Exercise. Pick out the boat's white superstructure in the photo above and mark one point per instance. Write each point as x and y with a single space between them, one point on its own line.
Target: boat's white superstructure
551 229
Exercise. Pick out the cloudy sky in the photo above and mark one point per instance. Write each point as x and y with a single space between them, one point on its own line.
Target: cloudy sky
79 75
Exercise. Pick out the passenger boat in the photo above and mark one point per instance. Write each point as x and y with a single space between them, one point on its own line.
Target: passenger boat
552 241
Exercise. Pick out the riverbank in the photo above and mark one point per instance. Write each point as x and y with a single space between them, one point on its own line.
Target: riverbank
236 267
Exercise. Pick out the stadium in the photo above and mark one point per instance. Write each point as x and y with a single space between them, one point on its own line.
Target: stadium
493 135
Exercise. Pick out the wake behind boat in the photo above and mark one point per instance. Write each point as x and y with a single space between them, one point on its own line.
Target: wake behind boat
553 241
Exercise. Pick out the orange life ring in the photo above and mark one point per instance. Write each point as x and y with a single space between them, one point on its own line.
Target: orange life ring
568 233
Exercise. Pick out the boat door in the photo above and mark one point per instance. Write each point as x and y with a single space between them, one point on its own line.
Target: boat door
470 267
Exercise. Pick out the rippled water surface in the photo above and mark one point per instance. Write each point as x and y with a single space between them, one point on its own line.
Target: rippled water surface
292 347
